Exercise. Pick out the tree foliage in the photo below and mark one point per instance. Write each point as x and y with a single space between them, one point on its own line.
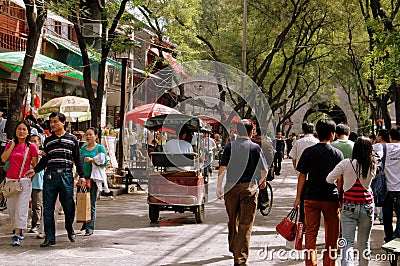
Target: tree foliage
36 13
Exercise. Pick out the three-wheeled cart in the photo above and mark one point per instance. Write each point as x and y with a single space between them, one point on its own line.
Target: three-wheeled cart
175 181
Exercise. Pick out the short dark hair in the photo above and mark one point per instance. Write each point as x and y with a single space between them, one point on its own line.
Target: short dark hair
324 129
342 129
183 130
353 136
308 128
244 127
60 116
384 133
394 133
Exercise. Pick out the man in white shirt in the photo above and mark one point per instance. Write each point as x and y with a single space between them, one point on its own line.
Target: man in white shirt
179 145
301 144
295 153
381 138
392 200
3 122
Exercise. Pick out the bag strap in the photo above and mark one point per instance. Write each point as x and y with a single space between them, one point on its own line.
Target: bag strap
293 215
355 171
384 156
23 163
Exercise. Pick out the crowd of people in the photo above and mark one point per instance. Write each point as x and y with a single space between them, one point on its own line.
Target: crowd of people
339 188
43 164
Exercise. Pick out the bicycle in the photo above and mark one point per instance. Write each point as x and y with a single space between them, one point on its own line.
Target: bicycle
265 199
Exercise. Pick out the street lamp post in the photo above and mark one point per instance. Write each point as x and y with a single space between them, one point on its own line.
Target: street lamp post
125 55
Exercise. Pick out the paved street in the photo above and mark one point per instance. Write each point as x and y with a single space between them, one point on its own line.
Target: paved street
124 235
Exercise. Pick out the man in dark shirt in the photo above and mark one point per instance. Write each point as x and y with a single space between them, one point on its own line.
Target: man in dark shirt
245 167
61 150
317 162
279 146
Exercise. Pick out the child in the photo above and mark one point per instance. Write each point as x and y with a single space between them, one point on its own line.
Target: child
37 187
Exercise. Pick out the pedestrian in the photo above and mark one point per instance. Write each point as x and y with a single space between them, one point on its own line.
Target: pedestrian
22 155
372 137
353 136
299 146
289 144
90 154
392 200
315 164
208 147
37 188
133 144
62 151
377 149
357 206
3 121
342 141
232 136
381 138
279 148
245 167
266 146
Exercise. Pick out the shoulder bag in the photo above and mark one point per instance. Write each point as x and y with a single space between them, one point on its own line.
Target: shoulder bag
13 187
378 184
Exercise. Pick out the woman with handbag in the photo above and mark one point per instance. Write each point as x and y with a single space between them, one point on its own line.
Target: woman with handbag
358 202
21 154
89 151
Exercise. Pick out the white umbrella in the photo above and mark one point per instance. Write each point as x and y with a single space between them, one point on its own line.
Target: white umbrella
74 108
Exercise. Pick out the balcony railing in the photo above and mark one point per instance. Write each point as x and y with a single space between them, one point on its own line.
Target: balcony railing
12 41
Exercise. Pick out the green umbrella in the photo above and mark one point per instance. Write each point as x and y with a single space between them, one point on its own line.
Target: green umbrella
12 62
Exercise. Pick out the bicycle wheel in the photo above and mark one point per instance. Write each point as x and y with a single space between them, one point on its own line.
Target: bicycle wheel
267 208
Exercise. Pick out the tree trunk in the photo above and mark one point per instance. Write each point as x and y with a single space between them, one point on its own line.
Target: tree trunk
397 102
385 111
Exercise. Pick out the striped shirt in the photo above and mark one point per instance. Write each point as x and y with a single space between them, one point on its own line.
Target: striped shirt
61 153
357 194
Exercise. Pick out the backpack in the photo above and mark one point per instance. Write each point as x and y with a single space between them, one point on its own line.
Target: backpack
378 184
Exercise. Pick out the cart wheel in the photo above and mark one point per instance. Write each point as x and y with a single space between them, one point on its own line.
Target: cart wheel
154 213
199 213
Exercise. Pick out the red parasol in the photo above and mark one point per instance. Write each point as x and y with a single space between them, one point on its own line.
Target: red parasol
141 113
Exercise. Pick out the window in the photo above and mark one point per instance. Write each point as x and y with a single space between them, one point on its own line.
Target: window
57 27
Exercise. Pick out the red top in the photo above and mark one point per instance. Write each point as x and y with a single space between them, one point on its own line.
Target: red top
357 194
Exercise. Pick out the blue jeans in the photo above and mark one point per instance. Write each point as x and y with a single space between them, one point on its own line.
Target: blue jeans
93 197
354 215
392 201
62 185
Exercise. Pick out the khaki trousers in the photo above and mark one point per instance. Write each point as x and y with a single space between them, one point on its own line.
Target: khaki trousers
241 206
